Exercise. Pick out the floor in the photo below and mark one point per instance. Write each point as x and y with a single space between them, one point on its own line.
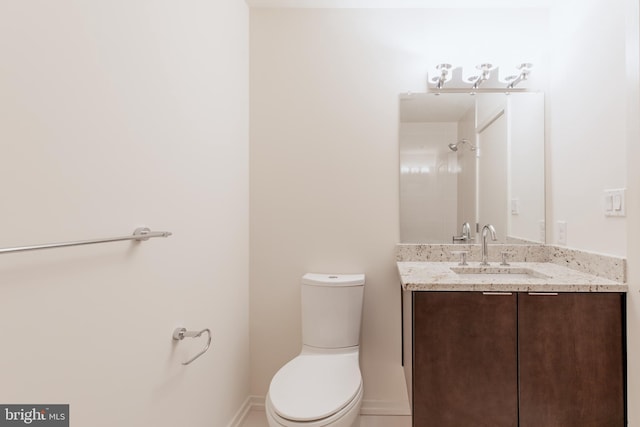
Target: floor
256 418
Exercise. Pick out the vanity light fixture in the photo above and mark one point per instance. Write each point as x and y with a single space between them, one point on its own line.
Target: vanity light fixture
442 78
484 76
487 81
525 69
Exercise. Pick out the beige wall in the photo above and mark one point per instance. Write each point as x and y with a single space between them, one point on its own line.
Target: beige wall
586 123
324 159
116 114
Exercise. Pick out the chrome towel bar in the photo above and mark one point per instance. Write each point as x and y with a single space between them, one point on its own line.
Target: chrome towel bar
181 333
139 235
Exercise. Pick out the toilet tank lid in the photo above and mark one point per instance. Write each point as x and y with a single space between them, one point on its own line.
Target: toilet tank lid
316 279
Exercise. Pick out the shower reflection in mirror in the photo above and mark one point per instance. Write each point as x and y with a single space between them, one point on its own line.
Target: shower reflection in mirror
471 160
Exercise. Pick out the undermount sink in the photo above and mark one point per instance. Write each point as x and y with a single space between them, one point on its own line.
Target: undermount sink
499 272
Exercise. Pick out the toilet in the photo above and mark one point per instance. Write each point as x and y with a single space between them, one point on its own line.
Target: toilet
322 386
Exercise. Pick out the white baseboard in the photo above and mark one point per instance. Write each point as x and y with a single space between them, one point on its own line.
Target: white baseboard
257 403
369 407
242 413
385 407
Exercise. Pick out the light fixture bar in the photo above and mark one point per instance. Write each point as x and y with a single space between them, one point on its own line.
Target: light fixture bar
450 79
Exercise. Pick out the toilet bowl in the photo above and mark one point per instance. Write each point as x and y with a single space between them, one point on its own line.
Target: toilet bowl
322 386
316 389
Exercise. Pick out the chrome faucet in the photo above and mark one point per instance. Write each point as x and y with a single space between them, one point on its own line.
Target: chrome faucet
492 230
466 234
466 231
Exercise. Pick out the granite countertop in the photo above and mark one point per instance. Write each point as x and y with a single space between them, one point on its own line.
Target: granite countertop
532 277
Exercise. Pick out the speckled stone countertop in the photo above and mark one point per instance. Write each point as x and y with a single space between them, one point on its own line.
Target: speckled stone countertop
428 267
541 277
577 261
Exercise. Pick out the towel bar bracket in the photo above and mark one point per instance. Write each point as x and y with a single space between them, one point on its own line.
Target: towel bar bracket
141 234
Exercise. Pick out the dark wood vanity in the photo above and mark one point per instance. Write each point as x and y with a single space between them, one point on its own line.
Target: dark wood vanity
500 359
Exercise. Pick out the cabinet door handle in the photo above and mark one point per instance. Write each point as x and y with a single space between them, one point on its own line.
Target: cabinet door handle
497 293
543 293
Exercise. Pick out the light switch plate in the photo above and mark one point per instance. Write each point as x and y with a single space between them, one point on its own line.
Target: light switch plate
615 202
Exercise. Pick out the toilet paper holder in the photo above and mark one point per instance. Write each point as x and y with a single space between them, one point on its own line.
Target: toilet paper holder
181 333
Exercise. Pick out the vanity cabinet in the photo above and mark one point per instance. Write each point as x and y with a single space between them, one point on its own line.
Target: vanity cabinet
491 359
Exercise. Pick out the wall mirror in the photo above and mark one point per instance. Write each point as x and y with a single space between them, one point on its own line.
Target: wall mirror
472 159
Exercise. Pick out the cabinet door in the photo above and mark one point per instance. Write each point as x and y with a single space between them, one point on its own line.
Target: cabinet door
464 360
571 360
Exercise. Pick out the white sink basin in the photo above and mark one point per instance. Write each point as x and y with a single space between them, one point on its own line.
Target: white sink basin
498 272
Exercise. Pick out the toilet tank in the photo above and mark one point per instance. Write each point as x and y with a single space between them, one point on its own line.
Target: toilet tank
332 309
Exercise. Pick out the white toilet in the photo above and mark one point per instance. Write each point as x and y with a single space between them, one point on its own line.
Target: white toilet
322 386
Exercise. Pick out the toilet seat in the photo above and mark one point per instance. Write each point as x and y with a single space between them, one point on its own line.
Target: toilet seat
315 386
346 417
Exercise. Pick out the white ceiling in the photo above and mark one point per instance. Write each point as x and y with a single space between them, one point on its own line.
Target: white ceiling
402 4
